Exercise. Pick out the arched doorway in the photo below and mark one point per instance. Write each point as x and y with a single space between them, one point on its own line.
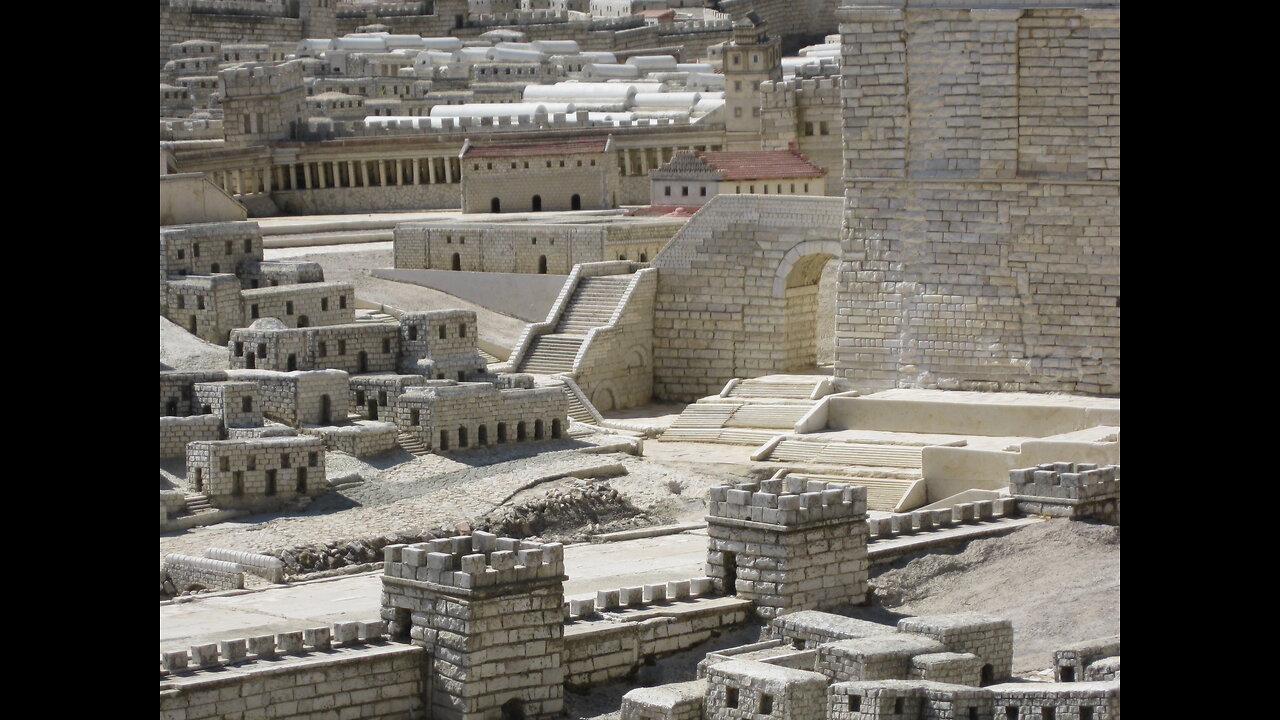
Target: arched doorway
542 264
495 206
457 262
304 321
575 202
537 203
537 429
482 435
806 282
555 429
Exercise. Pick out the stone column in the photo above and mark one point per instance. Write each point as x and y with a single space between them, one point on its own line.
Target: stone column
626 161
351 173
448 170
431 170
416 172
306 175
382 173
364 173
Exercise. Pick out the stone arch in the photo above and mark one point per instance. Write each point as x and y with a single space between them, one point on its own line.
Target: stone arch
604 399
800 260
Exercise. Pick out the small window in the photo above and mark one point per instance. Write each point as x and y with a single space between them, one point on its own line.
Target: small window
855 703
224 464
199 302
323 349
360 397
382 397
731 697
386 345
668 191
253 310
228 250
702 191
443 330
239 349
195 250
288 307
246 404
182 302
684 190
324 303
766 704
284 460
342 302
262 350
1047 713
342 347
312 459
182 254
248 245
898 706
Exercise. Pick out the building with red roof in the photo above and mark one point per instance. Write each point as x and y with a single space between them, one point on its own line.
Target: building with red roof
691 178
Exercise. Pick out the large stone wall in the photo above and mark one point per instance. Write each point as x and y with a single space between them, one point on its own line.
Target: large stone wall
728 284
982 177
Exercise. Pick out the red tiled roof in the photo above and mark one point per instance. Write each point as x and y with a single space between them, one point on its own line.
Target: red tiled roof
761 164
567 147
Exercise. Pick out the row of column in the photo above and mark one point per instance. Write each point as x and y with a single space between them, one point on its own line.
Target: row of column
340 173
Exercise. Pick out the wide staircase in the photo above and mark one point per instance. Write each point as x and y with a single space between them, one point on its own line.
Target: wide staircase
594 301
733 423
889 471
771 389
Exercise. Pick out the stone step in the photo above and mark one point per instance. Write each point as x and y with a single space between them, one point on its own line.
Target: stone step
883 494
411 444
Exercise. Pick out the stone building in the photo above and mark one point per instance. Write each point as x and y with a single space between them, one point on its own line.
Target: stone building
764 542
490 612
693 178
262 103
752 57
448 415
257 473
533 176
528 247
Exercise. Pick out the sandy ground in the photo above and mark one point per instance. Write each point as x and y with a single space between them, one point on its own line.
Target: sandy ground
352 263
180 350
1058 581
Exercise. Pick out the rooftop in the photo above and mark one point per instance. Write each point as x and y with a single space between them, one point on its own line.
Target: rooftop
527 149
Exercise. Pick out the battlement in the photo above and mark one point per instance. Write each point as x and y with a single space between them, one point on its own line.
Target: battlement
1083 481
260 80
476 561
789 501
211 656
328 129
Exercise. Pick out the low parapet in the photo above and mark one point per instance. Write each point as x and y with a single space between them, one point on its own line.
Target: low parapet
260 80
1082 481
789 501
475 561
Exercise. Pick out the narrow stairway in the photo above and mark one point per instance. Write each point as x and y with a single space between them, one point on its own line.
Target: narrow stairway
411 444
197 503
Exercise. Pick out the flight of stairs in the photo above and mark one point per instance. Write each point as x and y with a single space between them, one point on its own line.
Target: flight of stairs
577 411
411 444
594 301
733 423
374 316
845 453
767 389
197 503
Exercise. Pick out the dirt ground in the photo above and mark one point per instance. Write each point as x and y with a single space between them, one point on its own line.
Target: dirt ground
1058 581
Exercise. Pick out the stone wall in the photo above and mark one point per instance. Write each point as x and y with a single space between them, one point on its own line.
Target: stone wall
983 200
338 200
721 307
456 416
361 439
257 473
176 432
301 305
181 24
176 397
1070 490
184 571
617 359
554 180
379 682
314 397
789 544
